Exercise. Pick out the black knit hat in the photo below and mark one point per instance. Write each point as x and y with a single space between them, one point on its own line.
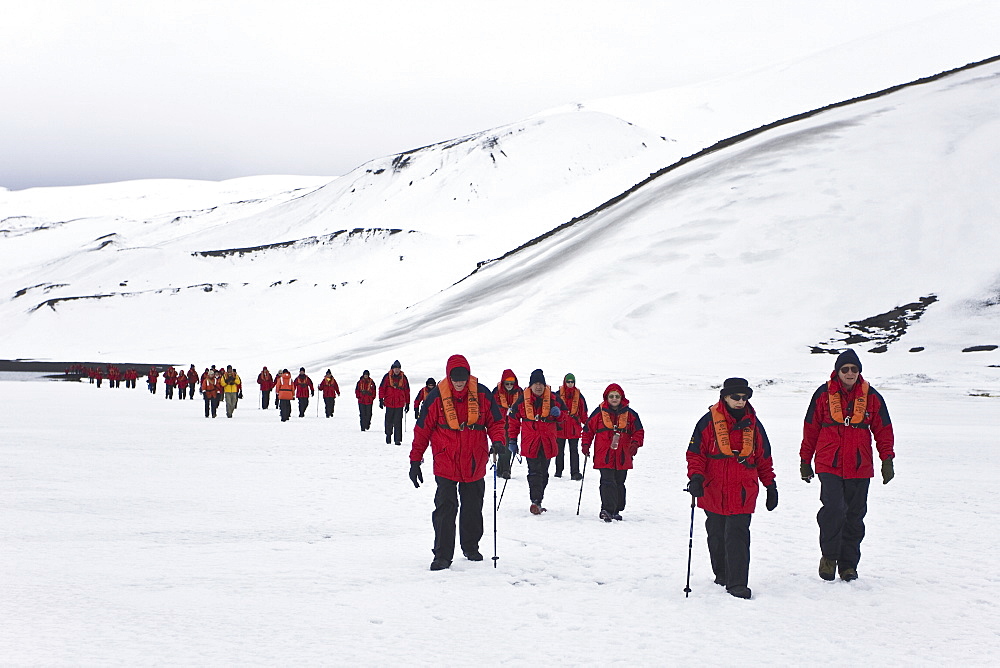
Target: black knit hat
536 377
431 382
735 386
396 365
847 357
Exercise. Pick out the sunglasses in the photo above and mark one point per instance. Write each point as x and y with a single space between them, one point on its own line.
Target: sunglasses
614 395
849 369
738 397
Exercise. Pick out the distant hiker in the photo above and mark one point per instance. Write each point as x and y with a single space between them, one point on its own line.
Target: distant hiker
728 453
535 416
505 394
422 394
284 391
151 379
616 433
328 386
99 375
266 382
457 421
231 387
844 413
182 383
131 376
572 427
303 390
211 389
192 376
169 382
364 390
394 397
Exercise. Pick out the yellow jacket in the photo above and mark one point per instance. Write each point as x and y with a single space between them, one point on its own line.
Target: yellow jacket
235 386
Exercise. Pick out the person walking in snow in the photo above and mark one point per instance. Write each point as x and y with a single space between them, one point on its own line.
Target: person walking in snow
211 389
266 382
844 414
232 385
394 397
572 427
365 390
284 391
182 383
728 454
457 421
328 386
535 417
615 431
304 389
151 379
505 394
169 382
422 394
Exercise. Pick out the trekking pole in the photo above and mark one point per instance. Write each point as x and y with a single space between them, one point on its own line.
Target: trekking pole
687 584
583 476
495 504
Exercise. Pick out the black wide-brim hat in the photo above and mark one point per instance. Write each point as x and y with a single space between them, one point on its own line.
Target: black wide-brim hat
735 386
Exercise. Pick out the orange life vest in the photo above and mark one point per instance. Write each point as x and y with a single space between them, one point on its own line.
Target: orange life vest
857 417
529 407
574 404
284 387
722 435
472 405
609 425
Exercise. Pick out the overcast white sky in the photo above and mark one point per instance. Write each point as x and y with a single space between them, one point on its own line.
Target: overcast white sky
109 90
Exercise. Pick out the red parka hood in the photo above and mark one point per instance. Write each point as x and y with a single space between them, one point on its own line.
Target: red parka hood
615 386
454 362
507 373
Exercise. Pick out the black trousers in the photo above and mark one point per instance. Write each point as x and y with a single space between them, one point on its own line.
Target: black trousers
182 391
612 490
285 406
538 476
303 405
328 403
394 424
574 456
729 547
265 399
469 512
504 461
841 518
365 413
211 405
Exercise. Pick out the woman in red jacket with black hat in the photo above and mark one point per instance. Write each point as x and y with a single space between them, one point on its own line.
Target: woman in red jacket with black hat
728 454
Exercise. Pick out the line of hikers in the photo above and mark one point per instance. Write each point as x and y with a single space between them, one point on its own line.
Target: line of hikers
465 424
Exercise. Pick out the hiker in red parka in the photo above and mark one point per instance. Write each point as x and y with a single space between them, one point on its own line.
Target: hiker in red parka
535 416
211 389
616 433
394 397
844 414
303 390
505 394
328 386
728 454
99 375
422 394
458 420
151 379
365 390
572 422
169 382
192 376
266 382
182 383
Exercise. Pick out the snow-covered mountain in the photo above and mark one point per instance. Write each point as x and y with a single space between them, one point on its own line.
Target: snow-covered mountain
793 234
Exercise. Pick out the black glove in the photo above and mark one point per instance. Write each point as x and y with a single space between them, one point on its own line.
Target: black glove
696 486
772 497
416 477
381 404
498 448
239 394
887 472
806 469
406 408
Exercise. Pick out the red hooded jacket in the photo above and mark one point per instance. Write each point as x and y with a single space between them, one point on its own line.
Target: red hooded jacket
506 399
364 390
730 481
846 451
540 432
597 432
459 454
395 391
329 386
572 424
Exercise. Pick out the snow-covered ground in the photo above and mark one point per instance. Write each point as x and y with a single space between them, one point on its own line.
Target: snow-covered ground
134 531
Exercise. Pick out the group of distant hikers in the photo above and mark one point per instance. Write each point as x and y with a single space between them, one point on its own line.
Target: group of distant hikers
467 425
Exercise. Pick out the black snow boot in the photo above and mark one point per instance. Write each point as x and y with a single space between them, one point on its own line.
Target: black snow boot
739 591
473 554
827 568
440 564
